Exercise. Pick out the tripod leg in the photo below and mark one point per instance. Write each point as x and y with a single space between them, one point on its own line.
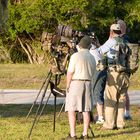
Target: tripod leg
47 83
38 95
91 131
56 81
54 113
61 110
43 108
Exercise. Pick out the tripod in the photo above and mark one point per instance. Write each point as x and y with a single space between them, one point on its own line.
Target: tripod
54 90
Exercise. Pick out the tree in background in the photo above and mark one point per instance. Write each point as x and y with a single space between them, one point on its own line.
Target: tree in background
29 18
133 19
4 55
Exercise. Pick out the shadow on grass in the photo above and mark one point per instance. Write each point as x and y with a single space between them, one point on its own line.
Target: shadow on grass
12 110
118 132
132 128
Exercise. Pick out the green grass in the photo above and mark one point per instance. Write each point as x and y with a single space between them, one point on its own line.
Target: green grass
135 80
27 76
22 76
14 126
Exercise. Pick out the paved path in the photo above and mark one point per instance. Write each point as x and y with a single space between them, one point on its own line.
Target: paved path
8 96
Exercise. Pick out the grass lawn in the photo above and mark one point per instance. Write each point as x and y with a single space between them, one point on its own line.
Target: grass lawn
13 125
23 76
28 76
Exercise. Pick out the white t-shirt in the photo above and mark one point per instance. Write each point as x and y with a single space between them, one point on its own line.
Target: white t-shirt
82 64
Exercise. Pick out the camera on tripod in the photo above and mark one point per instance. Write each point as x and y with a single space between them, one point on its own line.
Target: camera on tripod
61 44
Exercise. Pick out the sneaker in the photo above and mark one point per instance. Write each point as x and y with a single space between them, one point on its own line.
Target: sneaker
69 138
128 117
101 121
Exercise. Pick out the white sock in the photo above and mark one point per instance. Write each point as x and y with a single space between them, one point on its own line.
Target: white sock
100 117
84 134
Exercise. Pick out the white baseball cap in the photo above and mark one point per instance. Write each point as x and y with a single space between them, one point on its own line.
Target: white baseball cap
115 27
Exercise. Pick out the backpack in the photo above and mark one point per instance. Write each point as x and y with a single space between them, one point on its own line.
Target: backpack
127 56
122 55
133 63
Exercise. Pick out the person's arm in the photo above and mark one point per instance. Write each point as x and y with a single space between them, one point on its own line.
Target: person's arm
69 78
103 49
70 72
94 51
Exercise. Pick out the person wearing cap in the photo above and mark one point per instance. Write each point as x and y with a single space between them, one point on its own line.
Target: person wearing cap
79 92
122 24
116 83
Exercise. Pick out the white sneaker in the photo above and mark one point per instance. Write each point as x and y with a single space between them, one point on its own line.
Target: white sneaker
127 117
101 121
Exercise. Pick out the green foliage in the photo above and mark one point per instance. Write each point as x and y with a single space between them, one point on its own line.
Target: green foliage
101 15
23 17
31 16
17 55
133 19
35 16
133 8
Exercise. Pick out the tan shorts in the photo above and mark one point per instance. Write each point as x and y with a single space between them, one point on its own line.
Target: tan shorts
79 97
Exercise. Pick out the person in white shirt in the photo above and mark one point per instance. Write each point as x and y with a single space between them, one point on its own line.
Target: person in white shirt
79 93
117 82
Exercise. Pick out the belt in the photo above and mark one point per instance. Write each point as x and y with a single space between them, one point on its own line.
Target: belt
80 80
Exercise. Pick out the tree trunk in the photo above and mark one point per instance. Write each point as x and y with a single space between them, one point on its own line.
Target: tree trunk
26 51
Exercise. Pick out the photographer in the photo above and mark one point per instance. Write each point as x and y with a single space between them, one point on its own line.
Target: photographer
117 79
78 98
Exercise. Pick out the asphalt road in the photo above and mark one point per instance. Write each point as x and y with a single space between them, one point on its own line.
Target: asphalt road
8 96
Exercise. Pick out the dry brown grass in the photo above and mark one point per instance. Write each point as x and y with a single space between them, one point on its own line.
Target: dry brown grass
27 76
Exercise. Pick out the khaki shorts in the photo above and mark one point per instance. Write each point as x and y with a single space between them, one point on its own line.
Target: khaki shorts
79 97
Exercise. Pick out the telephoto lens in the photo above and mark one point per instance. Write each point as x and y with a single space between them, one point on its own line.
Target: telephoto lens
65 31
